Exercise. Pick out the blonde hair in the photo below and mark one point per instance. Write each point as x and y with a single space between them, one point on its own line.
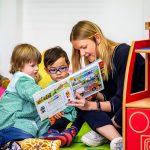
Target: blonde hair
87 30
22 54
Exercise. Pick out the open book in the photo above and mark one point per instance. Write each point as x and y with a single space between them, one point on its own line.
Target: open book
54 98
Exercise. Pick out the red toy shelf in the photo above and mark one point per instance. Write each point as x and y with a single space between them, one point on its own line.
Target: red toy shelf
136 106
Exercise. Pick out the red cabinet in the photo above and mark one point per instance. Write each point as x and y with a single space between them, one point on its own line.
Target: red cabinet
136 106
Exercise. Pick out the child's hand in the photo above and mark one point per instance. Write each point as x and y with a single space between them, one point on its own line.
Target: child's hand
37 77
59 115
52 120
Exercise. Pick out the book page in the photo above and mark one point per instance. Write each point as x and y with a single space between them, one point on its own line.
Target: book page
53 99
88 80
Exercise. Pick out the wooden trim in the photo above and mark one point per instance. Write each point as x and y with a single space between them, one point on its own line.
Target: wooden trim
147 25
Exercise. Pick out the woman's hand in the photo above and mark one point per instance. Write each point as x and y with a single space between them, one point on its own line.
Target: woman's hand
89 98
82 103
58 115
97 96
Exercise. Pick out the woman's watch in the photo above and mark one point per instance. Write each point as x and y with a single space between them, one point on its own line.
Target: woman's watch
98 105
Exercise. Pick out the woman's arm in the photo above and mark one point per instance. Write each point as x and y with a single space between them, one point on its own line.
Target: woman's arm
83 104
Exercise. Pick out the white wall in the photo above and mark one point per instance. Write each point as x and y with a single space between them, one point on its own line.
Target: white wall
146 14
10 31
47 23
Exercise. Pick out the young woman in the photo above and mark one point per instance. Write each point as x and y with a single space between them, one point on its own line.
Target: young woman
89 42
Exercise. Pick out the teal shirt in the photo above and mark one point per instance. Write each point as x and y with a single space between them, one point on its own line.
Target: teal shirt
17 106
69 112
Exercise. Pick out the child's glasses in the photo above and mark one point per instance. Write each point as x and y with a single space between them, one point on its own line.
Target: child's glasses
54 70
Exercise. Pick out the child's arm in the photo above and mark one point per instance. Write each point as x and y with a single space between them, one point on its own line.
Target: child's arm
37 78
26 87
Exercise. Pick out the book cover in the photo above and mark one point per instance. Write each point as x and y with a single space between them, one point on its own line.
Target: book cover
54 98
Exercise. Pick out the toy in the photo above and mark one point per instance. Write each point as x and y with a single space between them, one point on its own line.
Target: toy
136 106
44 76
35 144
3 84
4 81
2 90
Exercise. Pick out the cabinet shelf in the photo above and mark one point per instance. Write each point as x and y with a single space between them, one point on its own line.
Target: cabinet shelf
142 103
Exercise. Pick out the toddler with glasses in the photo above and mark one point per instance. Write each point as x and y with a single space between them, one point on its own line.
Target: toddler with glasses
56 64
